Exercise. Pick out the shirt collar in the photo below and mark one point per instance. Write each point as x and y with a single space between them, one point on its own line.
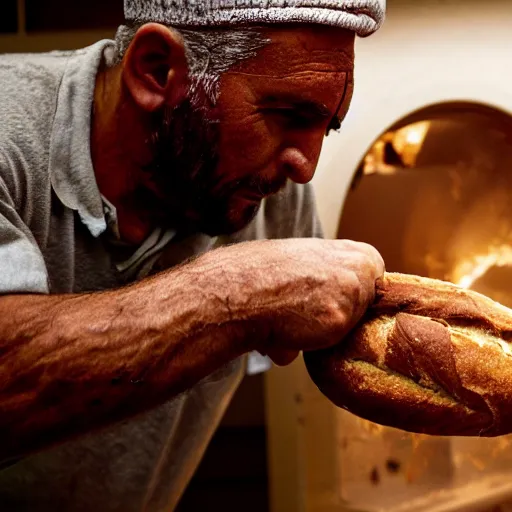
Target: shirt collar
71 169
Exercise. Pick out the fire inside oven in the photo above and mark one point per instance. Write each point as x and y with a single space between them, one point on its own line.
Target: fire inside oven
434 195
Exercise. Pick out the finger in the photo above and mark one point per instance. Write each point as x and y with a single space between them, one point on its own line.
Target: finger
370 252
376 259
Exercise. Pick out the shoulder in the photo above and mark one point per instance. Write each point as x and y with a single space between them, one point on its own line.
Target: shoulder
29 86
29 93
29 83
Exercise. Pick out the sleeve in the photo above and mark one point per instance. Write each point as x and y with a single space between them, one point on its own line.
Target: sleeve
22 266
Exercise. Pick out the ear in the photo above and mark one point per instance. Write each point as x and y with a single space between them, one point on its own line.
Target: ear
155 69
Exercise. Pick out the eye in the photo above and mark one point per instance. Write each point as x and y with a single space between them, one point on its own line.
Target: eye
297 118
294 118
334 125
337 121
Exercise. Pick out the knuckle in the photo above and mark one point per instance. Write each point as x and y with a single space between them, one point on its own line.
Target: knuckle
349 245
366 258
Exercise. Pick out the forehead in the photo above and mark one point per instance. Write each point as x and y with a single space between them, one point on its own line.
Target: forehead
292 50
314 64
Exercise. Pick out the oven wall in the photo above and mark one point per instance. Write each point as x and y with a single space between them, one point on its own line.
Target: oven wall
427 52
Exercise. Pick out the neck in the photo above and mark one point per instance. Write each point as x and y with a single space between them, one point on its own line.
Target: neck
117 156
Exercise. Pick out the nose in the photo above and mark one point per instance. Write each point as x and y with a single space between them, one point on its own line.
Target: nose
297 166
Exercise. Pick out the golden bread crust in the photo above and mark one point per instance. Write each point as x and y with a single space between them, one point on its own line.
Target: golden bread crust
429 357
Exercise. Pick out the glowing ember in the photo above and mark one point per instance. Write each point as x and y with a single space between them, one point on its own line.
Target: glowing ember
470 270
406 141
416 133
409 140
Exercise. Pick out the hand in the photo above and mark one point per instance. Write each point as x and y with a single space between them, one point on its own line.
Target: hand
299 295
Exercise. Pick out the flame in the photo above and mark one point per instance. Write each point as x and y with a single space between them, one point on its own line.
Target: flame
406 141
374 159
409 140
468 271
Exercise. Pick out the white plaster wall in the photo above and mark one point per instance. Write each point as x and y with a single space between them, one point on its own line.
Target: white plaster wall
428 51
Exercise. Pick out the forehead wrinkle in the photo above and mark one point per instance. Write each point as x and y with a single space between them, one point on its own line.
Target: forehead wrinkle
280 55
292 75
286 59
342 53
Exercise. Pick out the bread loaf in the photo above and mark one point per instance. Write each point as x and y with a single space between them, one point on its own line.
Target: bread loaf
429 357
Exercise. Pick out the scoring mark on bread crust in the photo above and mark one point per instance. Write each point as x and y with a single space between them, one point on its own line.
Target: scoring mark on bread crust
415 356
422 349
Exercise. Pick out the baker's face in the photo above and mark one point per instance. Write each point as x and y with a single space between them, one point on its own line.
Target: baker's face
215 164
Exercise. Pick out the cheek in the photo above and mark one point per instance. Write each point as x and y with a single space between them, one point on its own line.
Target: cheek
248 143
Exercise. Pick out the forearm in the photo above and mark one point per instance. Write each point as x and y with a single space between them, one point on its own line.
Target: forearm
70 364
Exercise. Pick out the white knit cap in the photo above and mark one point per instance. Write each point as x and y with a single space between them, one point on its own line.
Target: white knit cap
361 16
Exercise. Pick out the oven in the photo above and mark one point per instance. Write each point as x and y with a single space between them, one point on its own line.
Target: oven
422 169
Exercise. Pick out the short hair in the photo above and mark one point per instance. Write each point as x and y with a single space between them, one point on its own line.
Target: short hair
210 52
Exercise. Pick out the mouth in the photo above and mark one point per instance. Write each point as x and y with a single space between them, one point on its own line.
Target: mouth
253 194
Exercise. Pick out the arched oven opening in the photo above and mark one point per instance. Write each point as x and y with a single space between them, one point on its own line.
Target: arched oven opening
434 195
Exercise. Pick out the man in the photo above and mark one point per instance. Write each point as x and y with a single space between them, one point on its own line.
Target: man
124 168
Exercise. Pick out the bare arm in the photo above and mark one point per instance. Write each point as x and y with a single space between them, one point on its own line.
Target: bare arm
71 364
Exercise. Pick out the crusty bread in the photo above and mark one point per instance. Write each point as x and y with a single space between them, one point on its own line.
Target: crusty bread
429 357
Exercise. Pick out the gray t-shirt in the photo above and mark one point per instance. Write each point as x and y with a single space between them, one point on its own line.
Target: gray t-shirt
56 234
